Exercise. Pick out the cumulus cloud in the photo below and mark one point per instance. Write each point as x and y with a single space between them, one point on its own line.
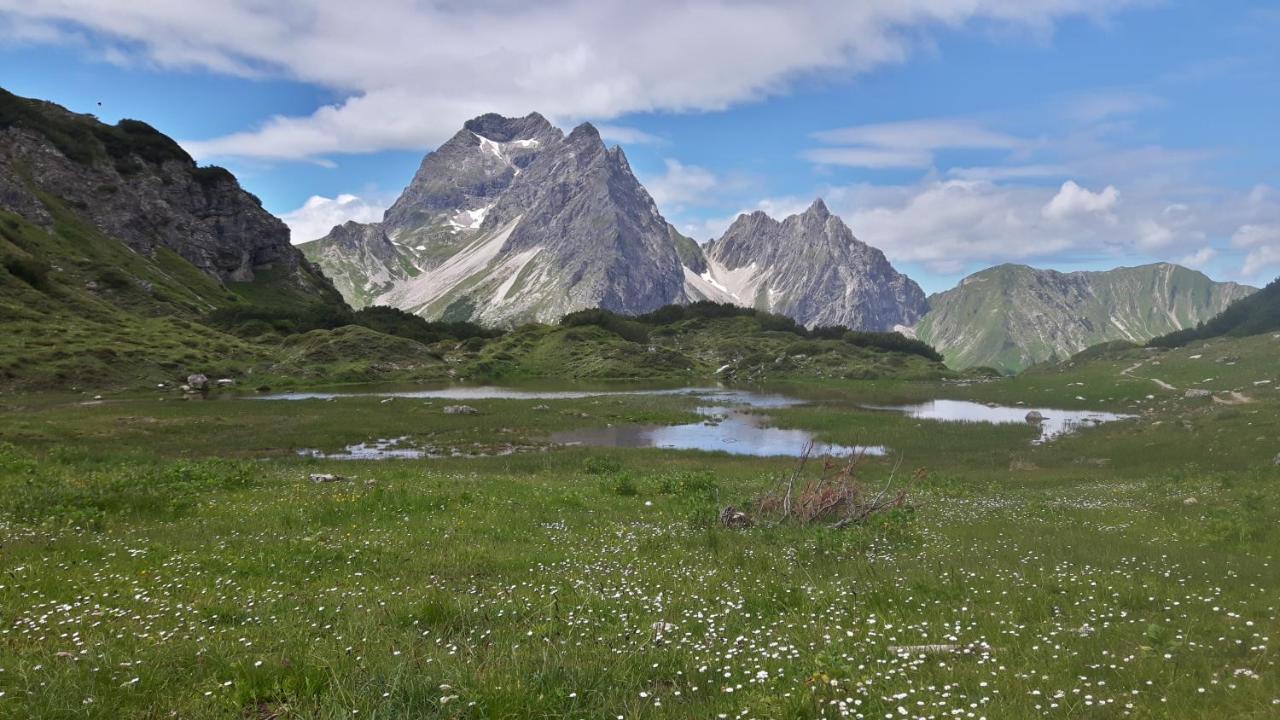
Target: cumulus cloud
1199 258
569 59
681 185
1075 200
319 214
1263 244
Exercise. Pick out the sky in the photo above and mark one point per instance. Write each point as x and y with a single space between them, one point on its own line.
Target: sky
951 134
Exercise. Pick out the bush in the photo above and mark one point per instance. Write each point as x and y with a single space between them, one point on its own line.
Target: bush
626 328
33 271
599 465
114 278
393 321
622 484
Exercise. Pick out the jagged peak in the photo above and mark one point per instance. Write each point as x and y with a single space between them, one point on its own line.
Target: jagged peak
818 208
500 128
585 131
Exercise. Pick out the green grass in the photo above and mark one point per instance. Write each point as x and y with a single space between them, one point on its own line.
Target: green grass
167 558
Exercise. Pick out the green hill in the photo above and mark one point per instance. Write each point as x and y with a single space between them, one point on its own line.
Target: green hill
1253 315
1013 316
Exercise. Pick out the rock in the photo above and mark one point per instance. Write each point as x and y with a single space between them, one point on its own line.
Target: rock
1196 393
460 410
225 382
541 408
733 518
1035 417
326 478
1276 460
1190 501
198 382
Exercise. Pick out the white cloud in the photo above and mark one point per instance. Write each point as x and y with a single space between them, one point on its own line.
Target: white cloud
870 157
1009 172
904 144
1262 242
929 134
1106 104
627 135
1199 258
681 185
318 215
1262 263
1256 235
1075 200
568 59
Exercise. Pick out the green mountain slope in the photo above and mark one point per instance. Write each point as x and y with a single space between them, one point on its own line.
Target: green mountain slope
116 250
1253 315
1013 316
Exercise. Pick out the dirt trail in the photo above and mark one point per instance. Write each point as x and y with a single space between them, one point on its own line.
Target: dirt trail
1129 372
1232 398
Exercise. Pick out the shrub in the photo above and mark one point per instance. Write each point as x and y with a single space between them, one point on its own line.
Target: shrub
31 270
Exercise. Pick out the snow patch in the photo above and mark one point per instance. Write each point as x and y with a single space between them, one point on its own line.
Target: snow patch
468 219
701 287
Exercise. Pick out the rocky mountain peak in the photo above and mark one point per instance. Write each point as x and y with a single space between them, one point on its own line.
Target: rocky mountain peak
498 128
812 268
818 209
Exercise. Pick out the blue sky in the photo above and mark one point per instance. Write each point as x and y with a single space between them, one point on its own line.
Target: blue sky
952 134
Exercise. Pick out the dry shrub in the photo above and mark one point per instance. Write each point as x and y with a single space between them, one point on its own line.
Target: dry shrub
835 497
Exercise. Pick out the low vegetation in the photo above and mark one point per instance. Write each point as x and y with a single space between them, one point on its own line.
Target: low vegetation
1258 313
169 558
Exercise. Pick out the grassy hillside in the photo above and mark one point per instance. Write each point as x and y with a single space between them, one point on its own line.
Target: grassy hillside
1013 316
1258 313
703 340
173 559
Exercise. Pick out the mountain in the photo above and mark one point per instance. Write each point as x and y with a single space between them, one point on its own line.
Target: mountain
1251 315
115 247
808 267
1012 316
511 221
134 184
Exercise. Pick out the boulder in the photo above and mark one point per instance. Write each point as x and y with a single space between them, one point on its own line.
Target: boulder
198 382
1035 417
226 382
1196 393
732 517
1276 460
326 478
460 410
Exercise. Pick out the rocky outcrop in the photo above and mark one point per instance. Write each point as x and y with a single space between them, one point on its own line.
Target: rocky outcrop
810 267
360 259
1012 316
137 186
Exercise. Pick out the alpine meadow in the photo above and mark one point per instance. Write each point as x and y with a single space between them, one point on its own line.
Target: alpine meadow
691 359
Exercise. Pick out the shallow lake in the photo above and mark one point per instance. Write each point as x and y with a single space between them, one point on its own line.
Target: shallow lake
726 429
729 423
1053 422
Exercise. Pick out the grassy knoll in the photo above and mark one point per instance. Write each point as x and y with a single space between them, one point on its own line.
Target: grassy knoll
170 559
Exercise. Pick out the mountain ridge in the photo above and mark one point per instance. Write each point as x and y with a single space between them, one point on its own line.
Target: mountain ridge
512 221
1011 316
